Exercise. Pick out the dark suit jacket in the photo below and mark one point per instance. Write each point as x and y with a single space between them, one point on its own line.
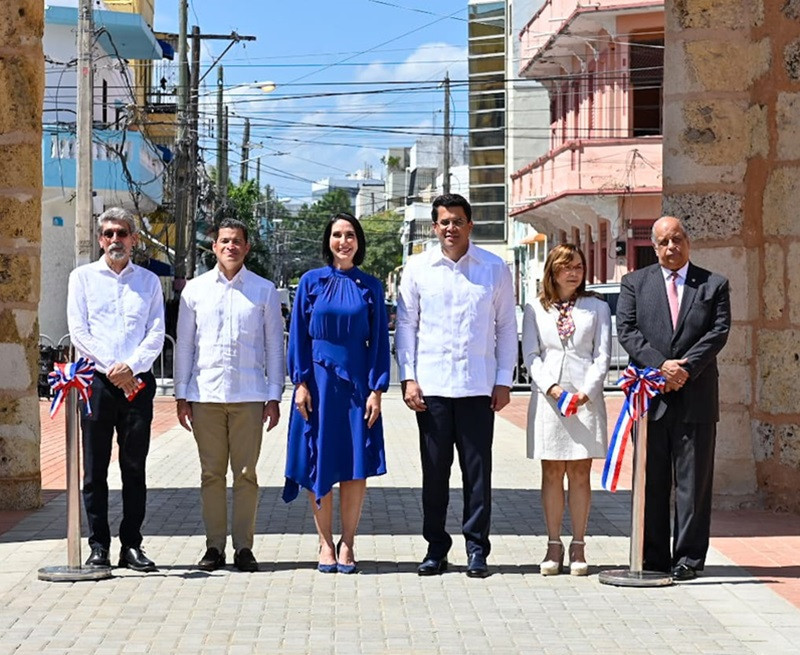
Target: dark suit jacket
645 330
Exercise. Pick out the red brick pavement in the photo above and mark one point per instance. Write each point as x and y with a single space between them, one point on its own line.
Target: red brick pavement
763 542
53 452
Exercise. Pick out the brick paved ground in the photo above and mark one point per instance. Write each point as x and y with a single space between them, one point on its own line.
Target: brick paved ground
288 607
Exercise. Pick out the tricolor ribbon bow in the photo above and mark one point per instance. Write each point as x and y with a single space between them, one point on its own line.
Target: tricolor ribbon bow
640 387
77 375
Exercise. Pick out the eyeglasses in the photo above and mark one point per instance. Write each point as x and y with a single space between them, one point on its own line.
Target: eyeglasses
121 233
458 222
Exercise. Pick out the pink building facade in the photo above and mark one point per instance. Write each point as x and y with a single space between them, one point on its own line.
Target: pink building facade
599 185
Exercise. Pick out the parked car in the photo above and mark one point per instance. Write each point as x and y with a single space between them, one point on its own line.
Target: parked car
609 291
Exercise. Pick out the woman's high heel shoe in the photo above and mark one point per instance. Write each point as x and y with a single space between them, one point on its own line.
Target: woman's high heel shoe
346 569
575 567
327 568
553 567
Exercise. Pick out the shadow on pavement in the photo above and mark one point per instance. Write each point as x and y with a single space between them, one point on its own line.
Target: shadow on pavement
387 511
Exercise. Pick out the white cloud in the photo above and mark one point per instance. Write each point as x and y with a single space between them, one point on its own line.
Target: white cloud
318 153
428 62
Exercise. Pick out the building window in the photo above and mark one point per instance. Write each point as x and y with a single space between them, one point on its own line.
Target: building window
487 101
483 231
647 86
478 195
487 139
478 176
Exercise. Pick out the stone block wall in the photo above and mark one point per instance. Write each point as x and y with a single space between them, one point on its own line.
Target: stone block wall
21 91
732 171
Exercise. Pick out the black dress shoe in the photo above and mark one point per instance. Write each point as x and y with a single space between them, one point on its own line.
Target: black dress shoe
99 557
683 572
432 566
476 566
244 561
212 560
131 557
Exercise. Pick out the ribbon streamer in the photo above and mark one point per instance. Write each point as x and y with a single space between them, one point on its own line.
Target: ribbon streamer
640 387
568 403
71 375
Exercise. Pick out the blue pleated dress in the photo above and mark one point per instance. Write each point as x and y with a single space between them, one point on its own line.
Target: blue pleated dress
338 346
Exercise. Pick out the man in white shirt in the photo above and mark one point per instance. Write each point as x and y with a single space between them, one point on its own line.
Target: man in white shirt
230 332
456 343
115 312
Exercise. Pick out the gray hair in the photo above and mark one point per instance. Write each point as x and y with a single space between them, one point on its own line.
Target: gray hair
117 214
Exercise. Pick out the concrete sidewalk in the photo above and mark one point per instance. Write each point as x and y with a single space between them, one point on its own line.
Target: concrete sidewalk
290 608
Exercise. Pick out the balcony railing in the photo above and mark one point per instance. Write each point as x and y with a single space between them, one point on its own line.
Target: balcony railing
590 166
144 166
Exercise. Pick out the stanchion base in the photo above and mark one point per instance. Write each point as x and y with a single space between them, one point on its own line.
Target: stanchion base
74 573
628 578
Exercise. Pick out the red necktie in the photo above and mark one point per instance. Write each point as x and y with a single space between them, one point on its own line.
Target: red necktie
672 296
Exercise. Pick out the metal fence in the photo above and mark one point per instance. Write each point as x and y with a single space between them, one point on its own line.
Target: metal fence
164 367
619 360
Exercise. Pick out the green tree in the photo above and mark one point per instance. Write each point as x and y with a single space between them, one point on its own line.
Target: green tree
298 242
246 204
384 248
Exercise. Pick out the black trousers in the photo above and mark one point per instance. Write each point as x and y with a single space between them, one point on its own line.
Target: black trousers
110 411
467 424
683 454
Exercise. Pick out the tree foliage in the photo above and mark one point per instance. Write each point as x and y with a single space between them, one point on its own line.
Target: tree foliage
298 239
248 204
384 248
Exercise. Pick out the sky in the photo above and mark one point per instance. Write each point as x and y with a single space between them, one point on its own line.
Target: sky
353 77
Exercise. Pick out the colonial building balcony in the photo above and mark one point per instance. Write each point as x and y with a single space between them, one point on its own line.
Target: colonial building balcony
586 177
562 28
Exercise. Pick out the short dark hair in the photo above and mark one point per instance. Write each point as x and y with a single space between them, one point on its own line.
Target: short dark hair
327 255
231 224
450 200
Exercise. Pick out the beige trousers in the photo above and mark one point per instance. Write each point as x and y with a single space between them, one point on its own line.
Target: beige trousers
228 432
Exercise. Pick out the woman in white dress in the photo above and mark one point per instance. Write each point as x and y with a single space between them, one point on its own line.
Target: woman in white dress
566 335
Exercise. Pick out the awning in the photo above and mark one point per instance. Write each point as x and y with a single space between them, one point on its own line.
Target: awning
167 49
532 238
161 269
123 34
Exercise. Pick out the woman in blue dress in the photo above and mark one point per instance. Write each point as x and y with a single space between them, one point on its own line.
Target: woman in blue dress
339 363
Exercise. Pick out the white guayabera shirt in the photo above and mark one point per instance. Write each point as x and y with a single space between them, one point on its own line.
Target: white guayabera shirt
114 317
230 340
456 323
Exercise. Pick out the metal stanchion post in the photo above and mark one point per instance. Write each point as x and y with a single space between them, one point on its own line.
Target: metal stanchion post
73 572
635 576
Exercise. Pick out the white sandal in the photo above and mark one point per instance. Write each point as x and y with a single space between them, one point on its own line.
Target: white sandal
552 567
577 568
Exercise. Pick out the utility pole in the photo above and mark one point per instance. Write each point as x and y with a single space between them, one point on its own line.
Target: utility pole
186 191
243 173
191 227
83 191
182 176
221 184
258 188
225 147
446 145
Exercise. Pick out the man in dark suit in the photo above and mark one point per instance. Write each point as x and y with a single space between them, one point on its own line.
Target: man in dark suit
675 317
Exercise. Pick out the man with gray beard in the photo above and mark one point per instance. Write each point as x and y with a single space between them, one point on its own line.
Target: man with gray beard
115 312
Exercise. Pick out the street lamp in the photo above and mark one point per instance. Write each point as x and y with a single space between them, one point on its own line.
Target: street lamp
222 129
